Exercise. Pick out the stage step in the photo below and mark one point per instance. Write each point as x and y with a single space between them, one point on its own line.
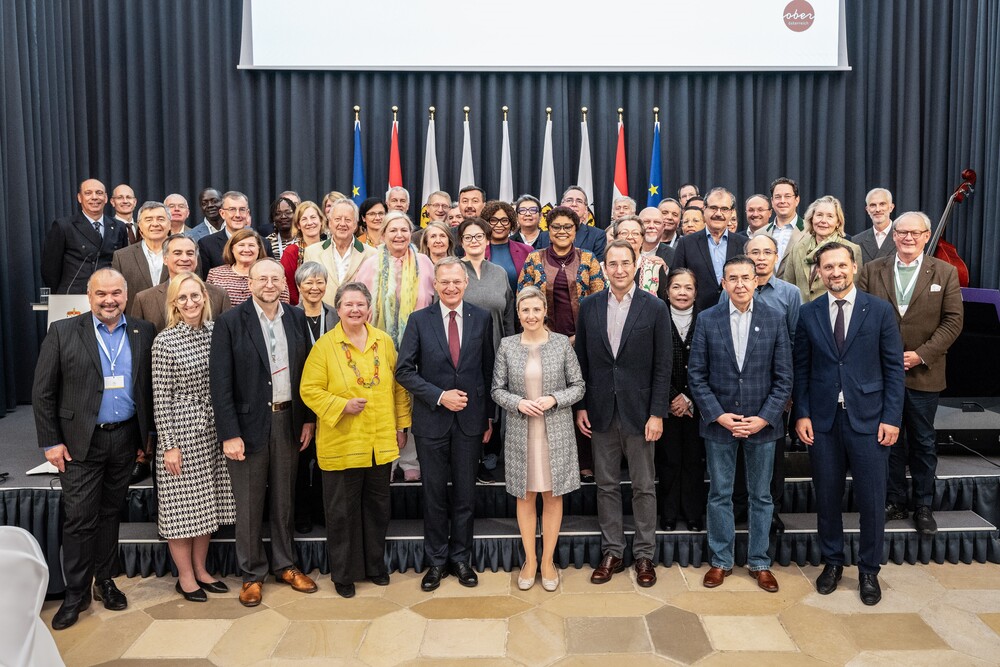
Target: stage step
963 536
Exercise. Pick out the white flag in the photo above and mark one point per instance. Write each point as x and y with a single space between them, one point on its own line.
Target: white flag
585 177
468 174
432 182
547 190
506 172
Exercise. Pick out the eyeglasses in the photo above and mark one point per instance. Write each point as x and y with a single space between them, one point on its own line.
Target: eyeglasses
233 210
574 200
268 280
762 253
613 266
450 283
719 209
528 210
473 237
178 206
629 235
561 228
914 234
496 222
194 298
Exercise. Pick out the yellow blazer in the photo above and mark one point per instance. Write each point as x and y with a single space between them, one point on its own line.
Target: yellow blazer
349 441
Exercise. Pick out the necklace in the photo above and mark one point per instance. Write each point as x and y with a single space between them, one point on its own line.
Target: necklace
354 366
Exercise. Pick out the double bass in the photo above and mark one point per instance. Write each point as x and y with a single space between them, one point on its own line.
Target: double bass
937 246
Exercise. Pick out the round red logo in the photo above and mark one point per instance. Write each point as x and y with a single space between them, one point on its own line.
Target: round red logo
798 15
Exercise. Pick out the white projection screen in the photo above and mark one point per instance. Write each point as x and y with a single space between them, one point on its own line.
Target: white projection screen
544 35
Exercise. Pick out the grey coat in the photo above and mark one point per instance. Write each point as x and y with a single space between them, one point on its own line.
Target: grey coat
561 379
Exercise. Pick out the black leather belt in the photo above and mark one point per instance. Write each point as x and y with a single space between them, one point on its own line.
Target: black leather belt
280 407
114 426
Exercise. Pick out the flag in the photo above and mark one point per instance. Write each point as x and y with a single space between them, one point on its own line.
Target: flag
432 182
359 192
395 171
585 176
506 172
547 189
653 195
620 188
467 176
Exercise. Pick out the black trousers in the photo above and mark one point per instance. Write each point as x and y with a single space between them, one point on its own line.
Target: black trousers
309 499
453 458
93 494
680 469
357 518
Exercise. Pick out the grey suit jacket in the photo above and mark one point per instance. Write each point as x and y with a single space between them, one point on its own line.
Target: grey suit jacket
561 379
151 304
870 249
131 263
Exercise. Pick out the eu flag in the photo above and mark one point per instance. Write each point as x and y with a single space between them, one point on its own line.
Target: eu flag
359 192
653 195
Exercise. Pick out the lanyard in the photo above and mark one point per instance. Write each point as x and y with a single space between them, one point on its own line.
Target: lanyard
272 339
322 328
905 293
107 353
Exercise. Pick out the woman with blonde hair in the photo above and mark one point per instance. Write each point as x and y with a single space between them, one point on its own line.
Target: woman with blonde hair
437 241
309 226
824 222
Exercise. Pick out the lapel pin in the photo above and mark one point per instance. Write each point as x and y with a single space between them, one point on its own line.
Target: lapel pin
756 329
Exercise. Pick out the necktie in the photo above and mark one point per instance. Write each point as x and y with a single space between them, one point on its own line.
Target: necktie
131 232
99 228
453 342
838 326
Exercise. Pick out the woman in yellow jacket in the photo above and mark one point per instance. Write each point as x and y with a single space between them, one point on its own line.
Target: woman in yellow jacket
349 382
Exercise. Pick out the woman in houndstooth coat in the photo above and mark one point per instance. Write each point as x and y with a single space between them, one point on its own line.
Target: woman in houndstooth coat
193 487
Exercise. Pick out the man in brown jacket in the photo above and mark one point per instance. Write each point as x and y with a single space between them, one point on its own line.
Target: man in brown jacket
928 301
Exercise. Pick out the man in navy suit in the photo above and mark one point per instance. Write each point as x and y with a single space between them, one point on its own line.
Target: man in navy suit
446 362
78 245
739 374
848 407
624 345
705 252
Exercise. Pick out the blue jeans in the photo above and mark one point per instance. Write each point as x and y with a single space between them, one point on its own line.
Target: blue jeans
918 450
721 463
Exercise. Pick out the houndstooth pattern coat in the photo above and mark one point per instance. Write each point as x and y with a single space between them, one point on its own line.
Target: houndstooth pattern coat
561 379
200 499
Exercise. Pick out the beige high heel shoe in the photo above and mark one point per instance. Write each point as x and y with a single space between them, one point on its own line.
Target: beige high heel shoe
526 583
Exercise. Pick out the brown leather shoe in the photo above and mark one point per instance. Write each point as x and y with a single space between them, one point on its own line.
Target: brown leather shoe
250 593
609 566
765 580
645 572
715 576
294 578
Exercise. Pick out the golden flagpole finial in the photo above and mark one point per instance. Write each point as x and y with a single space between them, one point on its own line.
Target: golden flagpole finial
620 112
394 110
548 113
656 114
466 110
431 109
584 110
357 109
505 109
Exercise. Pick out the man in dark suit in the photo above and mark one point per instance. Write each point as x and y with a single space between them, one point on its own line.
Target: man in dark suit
258 351
670 209
588 237
848 405
180 254
705 252
235 212
123 203
623 342
93 404
739 374
652 217
78 245
874 240
929 312
139 261
446 362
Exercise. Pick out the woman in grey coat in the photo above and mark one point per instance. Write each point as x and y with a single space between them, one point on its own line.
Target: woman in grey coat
537 379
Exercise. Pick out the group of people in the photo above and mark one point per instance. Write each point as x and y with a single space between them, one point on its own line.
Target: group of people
318 355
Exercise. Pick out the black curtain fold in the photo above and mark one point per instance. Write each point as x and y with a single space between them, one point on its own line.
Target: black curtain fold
149 94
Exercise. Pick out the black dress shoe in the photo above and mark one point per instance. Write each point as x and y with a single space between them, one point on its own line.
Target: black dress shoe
923 519
466 575
213 586
696 526
105 591
380 579
344 590
140 471
826 582
777 525
668 525
432 578
871 593
484 476
69 613
197 595
894 512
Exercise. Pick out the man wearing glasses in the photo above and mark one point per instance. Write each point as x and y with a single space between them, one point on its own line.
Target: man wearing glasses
123 201
587 237
875 241
706 252
928 302
235 212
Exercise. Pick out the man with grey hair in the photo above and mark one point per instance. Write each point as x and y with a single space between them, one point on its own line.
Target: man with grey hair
928 302
341 254
621 207
652 219
235 211
397 198
878 204
142 263
437 205
706 252
671 210
180 212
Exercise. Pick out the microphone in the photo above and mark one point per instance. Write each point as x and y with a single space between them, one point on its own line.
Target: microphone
91 259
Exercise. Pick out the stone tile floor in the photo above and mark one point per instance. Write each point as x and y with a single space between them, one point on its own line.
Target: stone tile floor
929 615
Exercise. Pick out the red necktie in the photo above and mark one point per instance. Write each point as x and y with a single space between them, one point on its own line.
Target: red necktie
453 342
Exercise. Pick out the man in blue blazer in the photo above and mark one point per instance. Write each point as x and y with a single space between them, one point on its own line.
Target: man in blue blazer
739 374
848 406
625 348
446 362
588 237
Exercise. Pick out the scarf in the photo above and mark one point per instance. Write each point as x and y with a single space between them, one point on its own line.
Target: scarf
812 247
395 292
649 275
682 320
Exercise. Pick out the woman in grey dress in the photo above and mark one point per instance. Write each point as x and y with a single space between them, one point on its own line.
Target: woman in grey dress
193 487
537 380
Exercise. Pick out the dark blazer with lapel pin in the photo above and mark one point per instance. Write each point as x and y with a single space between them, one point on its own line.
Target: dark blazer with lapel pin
760 389
638 379
869 249
425 368
210 251
69 383
74 250
869 371
131 263
240 374
692 253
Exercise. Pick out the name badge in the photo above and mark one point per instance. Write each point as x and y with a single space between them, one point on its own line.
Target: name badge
114 381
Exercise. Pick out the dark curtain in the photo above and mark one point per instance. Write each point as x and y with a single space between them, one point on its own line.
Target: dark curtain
149 94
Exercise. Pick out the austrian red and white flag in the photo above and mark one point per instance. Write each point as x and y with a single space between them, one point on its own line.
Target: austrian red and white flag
621 177
395 172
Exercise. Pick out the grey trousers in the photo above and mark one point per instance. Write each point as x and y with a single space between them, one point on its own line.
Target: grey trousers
609 447
273 468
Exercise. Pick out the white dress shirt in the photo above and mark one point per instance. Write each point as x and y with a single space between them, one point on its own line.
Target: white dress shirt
277 346
848 307
739 325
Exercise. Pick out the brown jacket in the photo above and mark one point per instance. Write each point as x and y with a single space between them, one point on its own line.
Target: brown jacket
151 304
933 320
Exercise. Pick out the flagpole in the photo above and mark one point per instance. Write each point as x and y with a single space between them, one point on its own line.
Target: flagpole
431 181
506 170
654 189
